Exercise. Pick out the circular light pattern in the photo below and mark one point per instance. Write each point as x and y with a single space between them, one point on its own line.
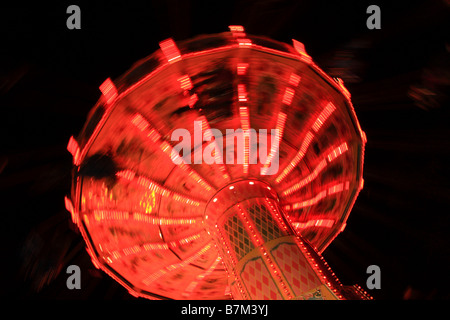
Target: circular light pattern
140 203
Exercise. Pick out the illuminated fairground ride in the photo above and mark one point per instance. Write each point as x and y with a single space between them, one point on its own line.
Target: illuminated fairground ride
247 225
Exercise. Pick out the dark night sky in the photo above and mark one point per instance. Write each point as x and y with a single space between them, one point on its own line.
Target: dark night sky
399 78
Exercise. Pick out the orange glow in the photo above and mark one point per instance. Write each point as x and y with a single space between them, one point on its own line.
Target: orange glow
307 203
109 91
298 157
185 82
327 111
218 156
245 124
153 186
191 287
294 79
300 48
288 96
126 174
242 68
155 137
306 180
324 223
170 50
69 207
244 42
237 31
74 149
172 267
193 100
112 215
329 191
274 148
140 122
235 28
258 242
242 93
337 152
344 89
336 188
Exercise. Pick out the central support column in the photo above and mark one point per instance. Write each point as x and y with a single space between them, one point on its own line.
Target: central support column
264 257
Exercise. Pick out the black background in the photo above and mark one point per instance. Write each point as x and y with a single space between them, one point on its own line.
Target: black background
49 81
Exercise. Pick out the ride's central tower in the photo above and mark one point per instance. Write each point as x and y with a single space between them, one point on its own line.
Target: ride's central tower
263 255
